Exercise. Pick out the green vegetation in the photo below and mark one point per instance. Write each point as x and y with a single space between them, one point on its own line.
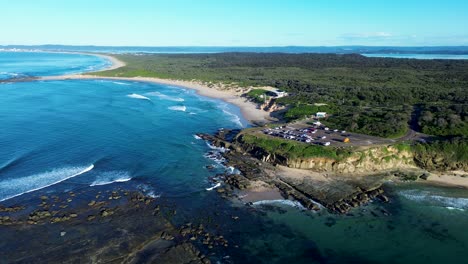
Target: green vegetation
257 95
402 146
375 121
292 149
299 110
369 95
444 120
443 154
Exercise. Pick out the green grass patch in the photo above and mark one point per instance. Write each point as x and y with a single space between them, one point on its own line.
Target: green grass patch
292 149
258 95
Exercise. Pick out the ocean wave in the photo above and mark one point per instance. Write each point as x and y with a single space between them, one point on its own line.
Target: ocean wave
120 83
165 97
15 187
215 156
178 108
279 202
138 96
111 177
221 149
233 171
11 75
450 203
234 118
148 190
214 187
196 137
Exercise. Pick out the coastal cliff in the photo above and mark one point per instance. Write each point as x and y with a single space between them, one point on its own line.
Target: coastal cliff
336 178
370 160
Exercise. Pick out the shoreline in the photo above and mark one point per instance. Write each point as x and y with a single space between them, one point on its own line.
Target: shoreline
249 110
115 63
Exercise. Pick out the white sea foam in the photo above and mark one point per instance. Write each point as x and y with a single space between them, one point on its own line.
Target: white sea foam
232 170
121 83
111 177
214 187
138 96
437 200
234 118
453 208
280 202
148 190
152 194
221 149
196 137
215 156
10 188
165 97
178 108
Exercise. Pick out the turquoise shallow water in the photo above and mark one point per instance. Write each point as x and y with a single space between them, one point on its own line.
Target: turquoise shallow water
58 136
422 224
31 64
55 130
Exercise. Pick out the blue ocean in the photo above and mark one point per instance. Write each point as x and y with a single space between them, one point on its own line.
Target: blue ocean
62 136
30 64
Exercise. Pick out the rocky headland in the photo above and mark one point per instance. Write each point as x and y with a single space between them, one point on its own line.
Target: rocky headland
316 182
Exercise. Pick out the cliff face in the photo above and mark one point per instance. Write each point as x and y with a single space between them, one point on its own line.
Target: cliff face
437 162
364 161
271 106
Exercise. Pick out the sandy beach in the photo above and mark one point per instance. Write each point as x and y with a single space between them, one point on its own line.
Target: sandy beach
454 178
115 63
249 110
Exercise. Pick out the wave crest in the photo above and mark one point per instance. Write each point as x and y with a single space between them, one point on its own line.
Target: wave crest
436 200
178 108
110 177
165 97
138 96
11 188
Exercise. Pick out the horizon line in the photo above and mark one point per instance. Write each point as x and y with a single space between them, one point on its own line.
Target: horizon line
247 46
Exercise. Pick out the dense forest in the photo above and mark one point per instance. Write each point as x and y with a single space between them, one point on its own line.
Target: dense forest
375 96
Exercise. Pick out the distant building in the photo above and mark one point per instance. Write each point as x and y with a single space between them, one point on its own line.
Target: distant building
321 115
277 93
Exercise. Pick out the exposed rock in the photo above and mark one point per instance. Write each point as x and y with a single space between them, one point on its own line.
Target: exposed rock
11 209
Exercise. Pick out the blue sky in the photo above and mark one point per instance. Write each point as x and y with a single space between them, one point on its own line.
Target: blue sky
234 22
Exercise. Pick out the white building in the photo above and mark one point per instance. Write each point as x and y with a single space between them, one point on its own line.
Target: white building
277 93
321 115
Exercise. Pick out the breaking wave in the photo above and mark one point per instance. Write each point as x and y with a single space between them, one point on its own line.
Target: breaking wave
279 202
138 96
165 97
214 187
450 203
233 117
15 187
121 83
111 177
178 108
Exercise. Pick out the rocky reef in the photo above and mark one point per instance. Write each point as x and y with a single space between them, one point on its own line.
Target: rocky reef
102 227
337 194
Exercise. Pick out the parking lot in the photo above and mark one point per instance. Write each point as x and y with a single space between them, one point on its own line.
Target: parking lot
319 134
